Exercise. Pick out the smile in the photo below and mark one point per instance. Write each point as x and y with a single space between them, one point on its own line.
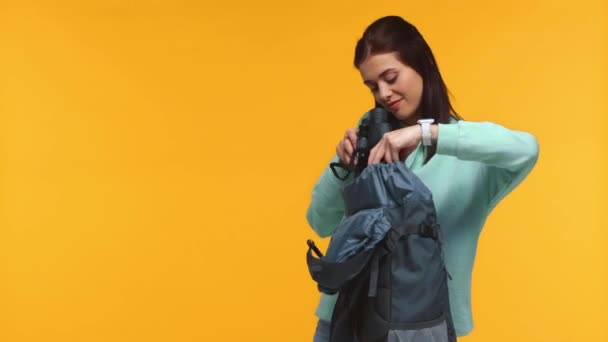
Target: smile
394 105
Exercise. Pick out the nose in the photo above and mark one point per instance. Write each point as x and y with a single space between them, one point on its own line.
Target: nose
384 91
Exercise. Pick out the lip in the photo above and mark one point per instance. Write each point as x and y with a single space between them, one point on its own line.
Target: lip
394 105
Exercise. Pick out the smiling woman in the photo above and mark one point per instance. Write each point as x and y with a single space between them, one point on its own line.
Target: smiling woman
468 166
395 85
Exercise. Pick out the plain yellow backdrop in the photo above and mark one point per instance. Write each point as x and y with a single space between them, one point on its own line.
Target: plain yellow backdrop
157 159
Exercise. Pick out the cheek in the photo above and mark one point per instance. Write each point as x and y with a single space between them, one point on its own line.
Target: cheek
410 87
413 86
420 85
416 91
419 94
377 97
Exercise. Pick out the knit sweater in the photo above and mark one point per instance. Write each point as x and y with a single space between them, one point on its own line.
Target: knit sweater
476 165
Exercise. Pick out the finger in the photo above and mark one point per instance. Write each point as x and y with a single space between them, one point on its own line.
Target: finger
391 154
377 154
403 154
348 147
388 155
380 154
394 155
352 154
351 134
340 152
372 153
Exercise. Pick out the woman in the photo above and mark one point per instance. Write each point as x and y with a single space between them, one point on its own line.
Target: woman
468 166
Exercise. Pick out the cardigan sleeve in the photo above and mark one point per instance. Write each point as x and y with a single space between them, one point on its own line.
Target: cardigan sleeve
326 208
509 155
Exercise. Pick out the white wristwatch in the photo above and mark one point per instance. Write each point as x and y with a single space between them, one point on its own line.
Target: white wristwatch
425 124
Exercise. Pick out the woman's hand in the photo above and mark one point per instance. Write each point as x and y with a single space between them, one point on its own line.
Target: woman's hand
396 145
347 145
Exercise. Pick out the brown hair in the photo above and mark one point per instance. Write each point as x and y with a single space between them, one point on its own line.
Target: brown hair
394 34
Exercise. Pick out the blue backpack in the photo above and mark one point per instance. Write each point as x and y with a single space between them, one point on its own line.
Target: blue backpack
385 261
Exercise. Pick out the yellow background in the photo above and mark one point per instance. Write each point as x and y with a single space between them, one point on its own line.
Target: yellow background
157 159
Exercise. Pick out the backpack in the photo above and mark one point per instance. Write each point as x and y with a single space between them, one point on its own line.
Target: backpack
385 261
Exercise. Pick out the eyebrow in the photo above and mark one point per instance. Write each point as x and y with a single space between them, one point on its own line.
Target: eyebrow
367 82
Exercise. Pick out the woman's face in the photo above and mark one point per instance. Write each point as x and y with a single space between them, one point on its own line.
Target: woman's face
396 86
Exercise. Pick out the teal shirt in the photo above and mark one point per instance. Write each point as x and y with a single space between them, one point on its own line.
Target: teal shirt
475 166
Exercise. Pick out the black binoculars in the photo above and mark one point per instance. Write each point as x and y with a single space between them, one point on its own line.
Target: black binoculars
371 130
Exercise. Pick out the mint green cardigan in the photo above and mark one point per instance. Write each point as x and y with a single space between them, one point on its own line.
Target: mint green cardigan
476 165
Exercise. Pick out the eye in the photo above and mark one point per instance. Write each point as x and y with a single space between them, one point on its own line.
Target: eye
372 87
392 78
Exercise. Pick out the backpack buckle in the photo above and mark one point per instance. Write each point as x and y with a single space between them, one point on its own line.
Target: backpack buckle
429 230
